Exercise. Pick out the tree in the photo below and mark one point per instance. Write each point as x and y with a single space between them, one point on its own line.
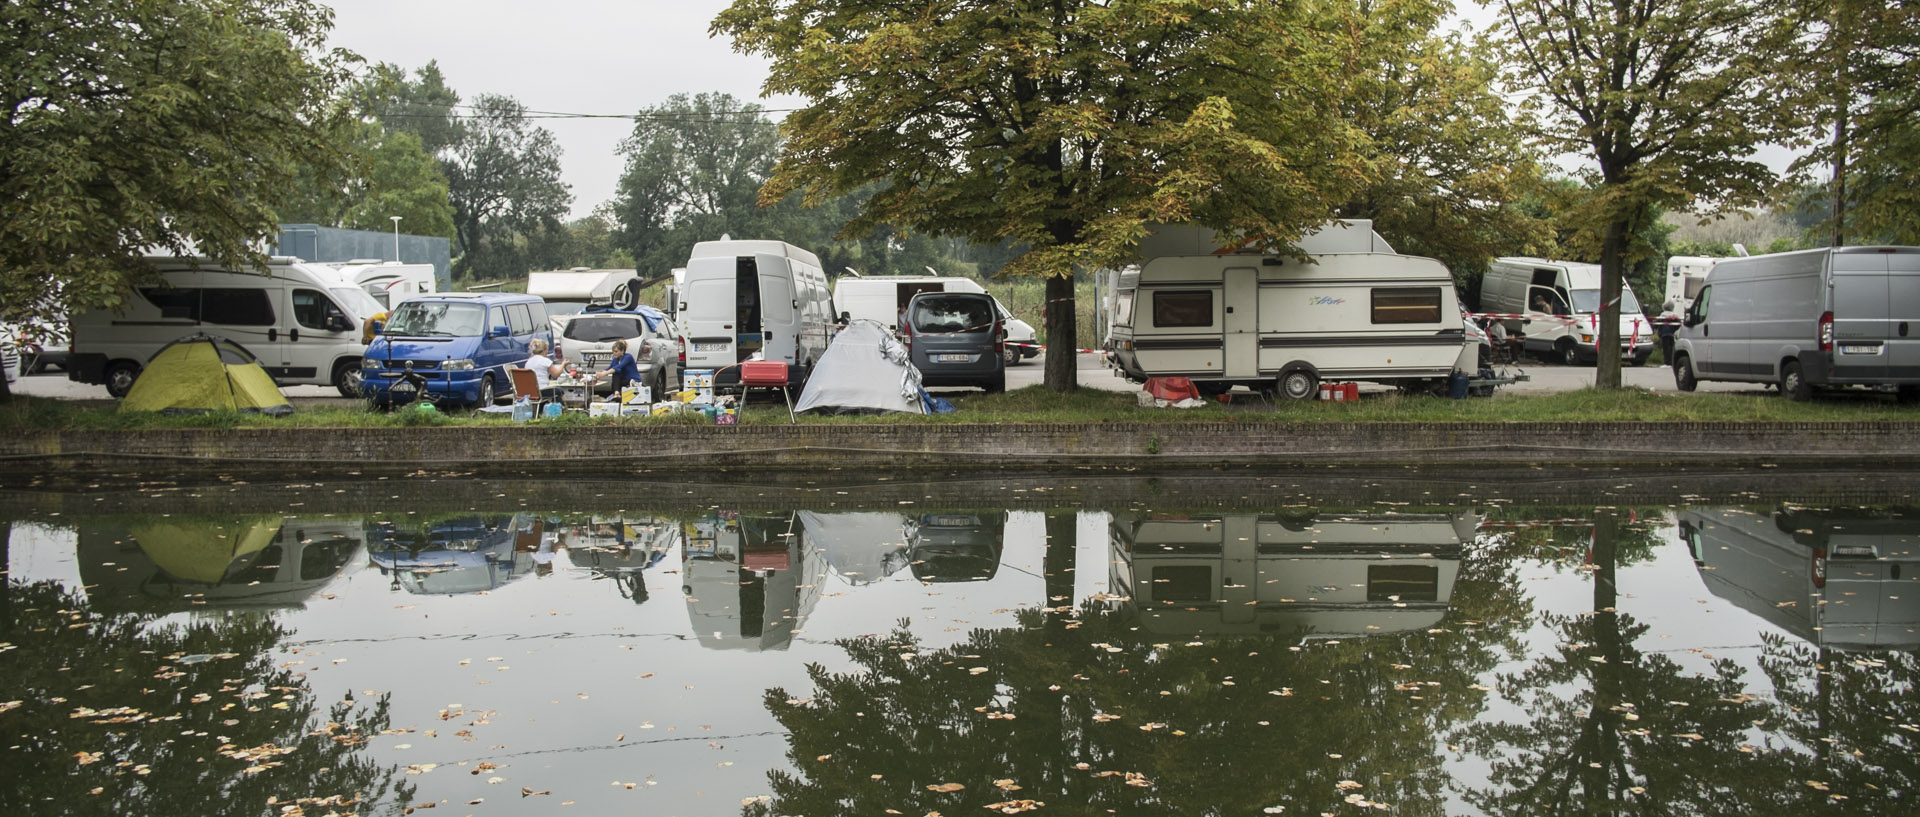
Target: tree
141 126
1861 79
392 176
1067 126
1669 98
504 178
694 170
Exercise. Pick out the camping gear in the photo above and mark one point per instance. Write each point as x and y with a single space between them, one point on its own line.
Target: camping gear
865 369
202 373
766 374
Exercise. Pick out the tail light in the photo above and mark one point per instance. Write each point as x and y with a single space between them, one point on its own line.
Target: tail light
1818 569
906 335
683 353
1826 332
999 336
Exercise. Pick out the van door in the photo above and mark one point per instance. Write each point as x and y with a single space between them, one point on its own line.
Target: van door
1860 316
1700 332
1242 320
779 319
318 330
243 310
710 313
1903 312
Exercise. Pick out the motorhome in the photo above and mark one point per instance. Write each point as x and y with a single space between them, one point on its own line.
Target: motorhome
1686 274
301 321
1353 309
754 300
570 292
882 298
1805 321
1327 573
1561 305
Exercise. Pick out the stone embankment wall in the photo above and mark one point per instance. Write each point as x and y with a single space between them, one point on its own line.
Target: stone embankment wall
908 447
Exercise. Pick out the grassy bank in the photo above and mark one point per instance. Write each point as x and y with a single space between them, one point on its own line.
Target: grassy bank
1038 405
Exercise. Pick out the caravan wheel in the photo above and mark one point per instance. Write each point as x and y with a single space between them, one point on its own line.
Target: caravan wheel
1299 384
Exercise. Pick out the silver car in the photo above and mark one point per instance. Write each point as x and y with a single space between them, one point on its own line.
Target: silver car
587 339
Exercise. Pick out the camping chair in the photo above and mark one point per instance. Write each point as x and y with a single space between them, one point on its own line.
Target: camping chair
526 385
765 374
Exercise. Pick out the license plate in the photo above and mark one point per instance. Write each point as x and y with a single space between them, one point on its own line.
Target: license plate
710 347
952 521
1858 349
952 358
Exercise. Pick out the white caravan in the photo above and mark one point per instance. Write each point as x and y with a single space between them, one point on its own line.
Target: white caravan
1840 316
302 321
754 300
1357 311
568 292
881 298
1561 303
1686 274
390 283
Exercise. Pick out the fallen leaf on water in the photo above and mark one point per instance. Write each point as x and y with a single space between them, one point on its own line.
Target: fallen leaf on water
944 787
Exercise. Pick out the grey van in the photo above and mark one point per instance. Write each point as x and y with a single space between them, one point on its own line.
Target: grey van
1803 321
956 339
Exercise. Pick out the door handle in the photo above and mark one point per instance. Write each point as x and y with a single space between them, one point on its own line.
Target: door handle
273 334
1903 329
294 334
1229 310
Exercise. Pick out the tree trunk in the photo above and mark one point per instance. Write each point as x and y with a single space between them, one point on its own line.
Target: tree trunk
1613 261
1842 110
1063 353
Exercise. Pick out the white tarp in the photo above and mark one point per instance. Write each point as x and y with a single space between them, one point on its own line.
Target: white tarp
865 369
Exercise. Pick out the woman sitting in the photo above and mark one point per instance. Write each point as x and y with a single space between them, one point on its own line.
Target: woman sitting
544 369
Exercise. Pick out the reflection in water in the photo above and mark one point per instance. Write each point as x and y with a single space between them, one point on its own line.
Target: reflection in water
1298 660
1834 579
1321 575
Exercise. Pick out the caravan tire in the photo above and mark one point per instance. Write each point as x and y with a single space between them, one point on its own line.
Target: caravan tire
1299 383
346 378
120 376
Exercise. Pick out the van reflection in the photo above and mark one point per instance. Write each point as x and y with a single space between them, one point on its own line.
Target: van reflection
458 555
750 578
617 549
182 562
956 547
1834 578
1323 574
861 547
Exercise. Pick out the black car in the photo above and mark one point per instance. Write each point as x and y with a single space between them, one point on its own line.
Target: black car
956 339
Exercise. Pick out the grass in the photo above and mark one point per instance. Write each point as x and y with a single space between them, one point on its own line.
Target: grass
1038 405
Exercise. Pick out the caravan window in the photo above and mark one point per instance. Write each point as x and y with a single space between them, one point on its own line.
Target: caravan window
1406 305
1183 308
174 304
1123 309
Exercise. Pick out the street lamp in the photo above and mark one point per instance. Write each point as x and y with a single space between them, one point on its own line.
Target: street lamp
396 238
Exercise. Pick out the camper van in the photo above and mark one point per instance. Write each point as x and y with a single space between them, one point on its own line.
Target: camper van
1807 320
882 298
1686 274
1561 301
1357 311
301 321
454 348
570 292
754 300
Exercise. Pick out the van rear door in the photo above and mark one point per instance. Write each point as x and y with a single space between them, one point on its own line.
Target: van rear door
1860 311
779 325
710 313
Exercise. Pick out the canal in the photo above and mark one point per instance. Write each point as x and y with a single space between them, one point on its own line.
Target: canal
1235 644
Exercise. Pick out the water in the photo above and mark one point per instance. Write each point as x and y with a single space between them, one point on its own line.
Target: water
1323 645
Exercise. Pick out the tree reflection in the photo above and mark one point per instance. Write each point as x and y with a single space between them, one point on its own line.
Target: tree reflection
1853 719
136 714
1081 711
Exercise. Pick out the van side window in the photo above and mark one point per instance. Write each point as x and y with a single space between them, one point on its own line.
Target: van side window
236 307
518 319
1183 308
494 318
1406 305
312 309
1699 310
174 304
538 312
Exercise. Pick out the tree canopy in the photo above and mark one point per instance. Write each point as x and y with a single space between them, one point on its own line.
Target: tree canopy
142 126
1063 126
1861 80
504 176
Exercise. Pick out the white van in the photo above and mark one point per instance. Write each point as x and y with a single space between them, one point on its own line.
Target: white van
1561 303
1359 311
302 321
747 300
881 298
1807 320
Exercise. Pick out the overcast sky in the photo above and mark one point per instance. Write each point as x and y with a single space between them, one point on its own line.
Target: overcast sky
574 56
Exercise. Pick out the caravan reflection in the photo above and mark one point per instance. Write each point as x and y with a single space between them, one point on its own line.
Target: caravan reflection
458 555
169 563
1319 574
1835 578
751 578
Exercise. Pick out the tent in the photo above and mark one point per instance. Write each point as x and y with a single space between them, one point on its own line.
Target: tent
865 369
206 552
202 373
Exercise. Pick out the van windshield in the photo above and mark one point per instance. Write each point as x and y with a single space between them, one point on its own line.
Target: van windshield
436 318
1588 300
356 301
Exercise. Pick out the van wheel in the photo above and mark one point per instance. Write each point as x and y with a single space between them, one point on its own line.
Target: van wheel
1793 385
346 378
120 377
997 383
1011 355
1299 384
1569 353
486 391
1683 377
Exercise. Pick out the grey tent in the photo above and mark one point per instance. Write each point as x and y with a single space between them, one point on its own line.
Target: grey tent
865 369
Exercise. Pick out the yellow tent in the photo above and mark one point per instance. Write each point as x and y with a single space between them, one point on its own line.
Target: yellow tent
204 551
202 373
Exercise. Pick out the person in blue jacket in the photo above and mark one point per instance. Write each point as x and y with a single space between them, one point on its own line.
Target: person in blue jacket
623 369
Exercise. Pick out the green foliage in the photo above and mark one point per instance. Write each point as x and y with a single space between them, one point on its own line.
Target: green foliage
136 126
503 174
1858 77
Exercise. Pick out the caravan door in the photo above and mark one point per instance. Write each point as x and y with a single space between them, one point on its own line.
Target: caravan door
1241 305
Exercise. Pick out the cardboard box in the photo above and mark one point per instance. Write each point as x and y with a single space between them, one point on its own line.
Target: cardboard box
603 409
636 394
700 382
636 409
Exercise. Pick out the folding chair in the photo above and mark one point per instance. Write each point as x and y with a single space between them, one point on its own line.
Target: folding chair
765 374
526 384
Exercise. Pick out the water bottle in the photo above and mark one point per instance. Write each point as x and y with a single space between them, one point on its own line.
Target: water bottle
522 410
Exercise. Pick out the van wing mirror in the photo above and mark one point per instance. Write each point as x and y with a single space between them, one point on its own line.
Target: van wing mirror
338 323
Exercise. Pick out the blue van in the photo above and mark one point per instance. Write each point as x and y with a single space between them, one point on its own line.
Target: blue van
453 348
